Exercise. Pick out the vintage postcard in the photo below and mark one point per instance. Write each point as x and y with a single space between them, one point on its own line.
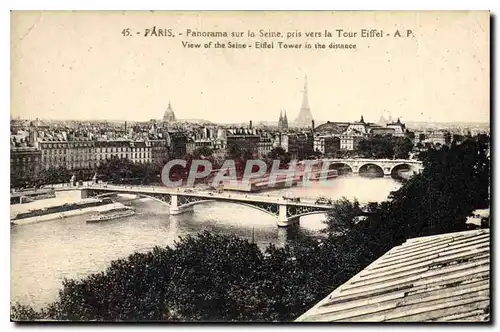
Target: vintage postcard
261 166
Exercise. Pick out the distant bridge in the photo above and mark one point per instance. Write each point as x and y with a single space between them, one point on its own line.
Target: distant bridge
388 167
180 201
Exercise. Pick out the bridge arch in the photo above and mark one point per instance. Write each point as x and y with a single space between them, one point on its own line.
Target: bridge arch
371 170
341 167
401 167
164 199
297 216
161 199
269 208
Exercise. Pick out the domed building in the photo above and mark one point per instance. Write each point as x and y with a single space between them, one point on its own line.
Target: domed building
331 128
169 115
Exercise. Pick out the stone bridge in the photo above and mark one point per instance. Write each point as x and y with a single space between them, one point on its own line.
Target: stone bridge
180 201
386 166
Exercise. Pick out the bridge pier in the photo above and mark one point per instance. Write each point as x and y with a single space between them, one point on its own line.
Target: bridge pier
283 219
175 209
180 210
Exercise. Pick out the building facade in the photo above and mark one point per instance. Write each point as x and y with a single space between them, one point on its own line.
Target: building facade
74 155
25 162
398 126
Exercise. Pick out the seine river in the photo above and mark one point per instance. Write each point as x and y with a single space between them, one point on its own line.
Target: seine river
45 253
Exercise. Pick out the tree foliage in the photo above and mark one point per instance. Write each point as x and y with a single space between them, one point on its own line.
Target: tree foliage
203 278
278 153
122 170
203 151
380 147
51 175
342 217
454 182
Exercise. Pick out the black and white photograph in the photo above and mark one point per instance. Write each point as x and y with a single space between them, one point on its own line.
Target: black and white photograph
250 166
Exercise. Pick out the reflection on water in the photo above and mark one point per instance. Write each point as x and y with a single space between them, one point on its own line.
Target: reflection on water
43 254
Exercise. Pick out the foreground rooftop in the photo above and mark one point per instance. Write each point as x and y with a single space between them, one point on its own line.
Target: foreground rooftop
435 278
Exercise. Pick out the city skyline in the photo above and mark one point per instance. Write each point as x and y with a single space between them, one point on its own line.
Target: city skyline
79 64
255 122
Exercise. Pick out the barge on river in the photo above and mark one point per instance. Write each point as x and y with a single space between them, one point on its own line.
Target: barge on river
120 212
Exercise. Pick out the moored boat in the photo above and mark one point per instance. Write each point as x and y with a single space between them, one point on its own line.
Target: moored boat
112 214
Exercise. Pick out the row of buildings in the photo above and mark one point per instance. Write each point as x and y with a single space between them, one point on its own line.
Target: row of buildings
36 146
331 137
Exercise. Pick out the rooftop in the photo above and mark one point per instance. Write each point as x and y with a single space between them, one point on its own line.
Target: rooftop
436 278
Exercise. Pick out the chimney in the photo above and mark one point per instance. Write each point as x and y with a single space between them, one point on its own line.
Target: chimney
125 126
250 124
312 126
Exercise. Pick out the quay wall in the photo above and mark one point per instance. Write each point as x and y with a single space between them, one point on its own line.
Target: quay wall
66 214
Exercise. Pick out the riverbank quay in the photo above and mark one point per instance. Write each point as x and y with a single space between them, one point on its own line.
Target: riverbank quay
65 204
26 196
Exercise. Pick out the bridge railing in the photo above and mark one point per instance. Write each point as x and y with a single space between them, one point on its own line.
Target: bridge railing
414 161
304 201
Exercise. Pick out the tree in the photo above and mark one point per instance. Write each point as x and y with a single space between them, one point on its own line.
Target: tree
457 138
18 180
203 151
79 175
247 155
402 147
160 284
152 173
122 170
116 169
207 277
234 152
278 153
447 138
54 175
377 147
410 135
22 312
240 158
454 182
342 217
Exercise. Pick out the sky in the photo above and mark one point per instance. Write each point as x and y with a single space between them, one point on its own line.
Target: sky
78 65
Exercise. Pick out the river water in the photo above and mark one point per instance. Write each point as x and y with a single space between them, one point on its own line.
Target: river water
45 253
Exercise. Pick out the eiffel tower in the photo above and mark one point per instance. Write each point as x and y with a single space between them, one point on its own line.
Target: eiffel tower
305 116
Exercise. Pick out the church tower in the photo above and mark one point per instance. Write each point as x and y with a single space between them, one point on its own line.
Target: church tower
305 116
285 122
